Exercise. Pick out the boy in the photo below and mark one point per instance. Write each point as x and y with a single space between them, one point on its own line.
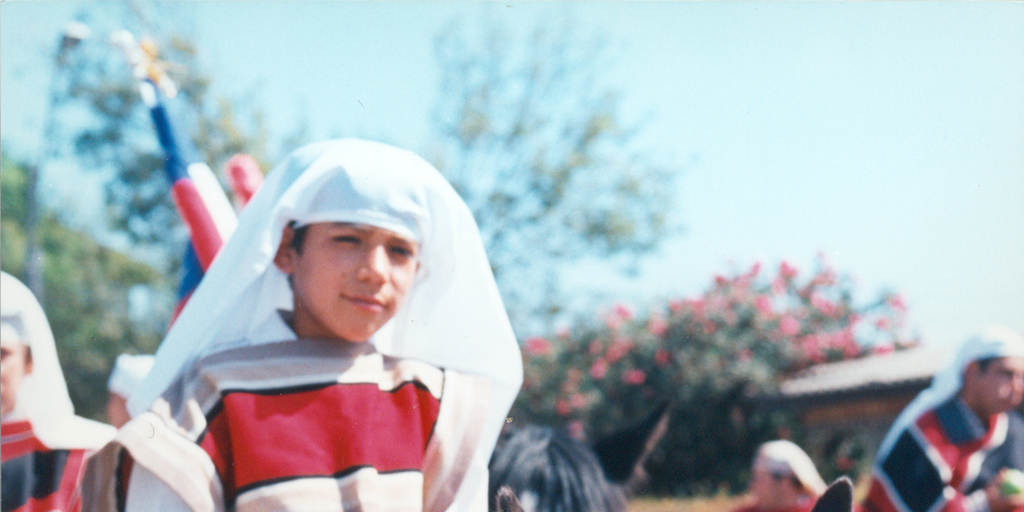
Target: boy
347 350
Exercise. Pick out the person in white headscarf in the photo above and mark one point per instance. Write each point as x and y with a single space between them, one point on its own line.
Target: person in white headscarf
44 443
128 373
951 447
783 479
347 349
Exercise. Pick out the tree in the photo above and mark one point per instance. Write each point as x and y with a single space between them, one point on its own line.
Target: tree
705 355
120 137
537 147
87 300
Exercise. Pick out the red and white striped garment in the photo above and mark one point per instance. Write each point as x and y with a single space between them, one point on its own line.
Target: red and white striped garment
307 425
36 477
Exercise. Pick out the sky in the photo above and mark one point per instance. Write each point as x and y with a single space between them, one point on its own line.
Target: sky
886 136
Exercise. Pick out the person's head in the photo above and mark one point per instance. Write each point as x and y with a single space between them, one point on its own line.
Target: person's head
993 385
548 471
15 364
783 476
33 386
125 378
347 280
992 376
360 241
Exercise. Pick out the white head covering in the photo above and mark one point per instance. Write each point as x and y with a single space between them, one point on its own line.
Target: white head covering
453 316
994 341
43 396
785 457
129 371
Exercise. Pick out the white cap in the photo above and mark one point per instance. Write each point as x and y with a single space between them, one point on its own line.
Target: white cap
786 458
128 373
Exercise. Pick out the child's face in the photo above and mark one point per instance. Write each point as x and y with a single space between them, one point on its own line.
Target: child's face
348 279
15 364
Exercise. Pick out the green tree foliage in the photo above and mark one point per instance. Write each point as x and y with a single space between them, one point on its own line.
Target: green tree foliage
87 295
705 355
537 146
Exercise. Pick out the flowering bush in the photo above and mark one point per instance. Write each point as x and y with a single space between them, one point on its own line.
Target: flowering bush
703 354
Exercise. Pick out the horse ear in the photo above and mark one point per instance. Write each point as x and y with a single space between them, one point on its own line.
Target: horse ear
624 449
505 501
837 498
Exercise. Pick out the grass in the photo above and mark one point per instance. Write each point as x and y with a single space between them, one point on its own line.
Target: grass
723 503
715 504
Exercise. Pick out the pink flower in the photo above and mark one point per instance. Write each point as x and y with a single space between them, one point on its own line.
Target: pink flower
596 347
599 369
883 349
745 355
619 314
896 302
882 324
538 346
709 327
787 271
789 326
812 347
696 305
661 357
563 407
657 325
623 311
763 304
619 348
634 377
676 306
821 303
754 270
826 277
577 401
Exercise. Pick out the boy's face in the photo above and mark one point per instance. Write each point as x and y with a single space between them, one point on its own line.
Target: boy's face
15 364
348 280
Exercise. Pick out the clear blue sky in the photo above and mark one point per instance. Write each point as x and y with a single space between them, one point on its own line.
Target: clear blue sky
888 136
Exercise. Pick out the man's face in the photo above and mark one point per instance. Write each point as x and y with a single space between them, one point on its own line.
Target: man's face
998 388
348 279
773 490
15 364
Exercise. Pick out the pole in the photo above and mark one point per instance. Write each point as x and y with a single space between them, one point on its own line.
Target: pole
73 34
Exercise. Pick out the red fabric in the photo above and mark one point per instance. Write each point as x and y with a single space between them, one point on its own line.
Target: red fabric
955 457
19 442
206 239
258 438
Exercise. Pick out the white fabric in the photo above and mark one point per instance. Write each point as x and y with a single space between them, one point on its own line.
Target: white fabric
994 341
785 457
129 371
453 316
43 396
148 493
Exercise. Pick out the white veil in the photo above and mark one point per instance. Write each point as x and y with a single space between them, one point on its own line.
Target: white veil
453 316
43 396
994 341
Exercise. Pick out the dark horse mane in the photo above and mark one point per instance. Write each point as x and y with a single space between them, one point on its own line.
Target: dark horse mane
547 470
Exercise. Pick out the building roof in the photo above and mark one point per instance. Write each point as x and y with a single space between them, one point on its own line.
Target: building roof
912 366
